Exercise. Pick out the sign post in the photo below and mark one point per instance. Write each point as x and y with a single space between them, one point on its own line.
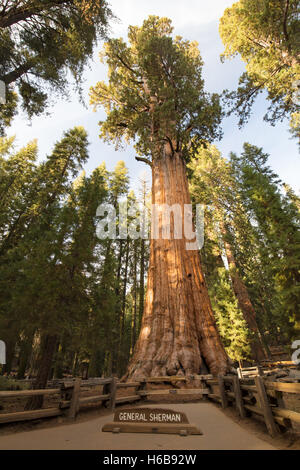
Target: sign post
151 420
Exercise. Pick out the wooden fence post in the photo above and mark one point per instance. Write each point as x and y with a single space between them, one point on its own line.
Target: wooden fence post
265 406
74 405
204 385
142 386
223 396
285 422
238 397
111 390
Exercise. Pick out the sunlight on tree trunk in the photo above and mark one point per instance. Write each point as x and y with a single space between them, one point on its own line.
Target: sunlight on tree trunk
178 333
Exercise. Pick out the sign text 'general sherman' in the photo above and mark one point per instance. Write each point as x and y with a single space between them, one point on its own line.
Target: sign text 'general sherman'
150 416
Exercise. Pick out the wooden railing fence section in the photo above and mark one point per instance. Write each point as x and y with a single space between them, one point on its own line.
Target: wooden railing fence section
254 396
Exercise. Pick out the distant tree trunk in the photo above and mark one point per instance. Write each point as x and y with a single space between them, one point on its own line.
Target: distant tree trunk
122 322
118 313
123 312
96 363
244 303
134 291
59 359
75 363
44 370
24 357
178 333
142 282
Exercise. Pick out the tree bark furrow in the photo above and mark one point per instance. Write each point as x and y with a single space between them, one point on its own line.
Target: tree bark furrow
178 332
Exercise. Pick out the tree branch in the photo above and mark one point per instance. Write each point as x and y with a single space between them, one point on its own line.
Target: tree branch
21 14
286 35
144 160
18 72
128 68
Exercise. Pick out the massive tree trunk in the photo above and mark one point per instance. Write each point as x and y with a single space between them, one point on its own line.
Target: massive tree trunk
245 304
178 333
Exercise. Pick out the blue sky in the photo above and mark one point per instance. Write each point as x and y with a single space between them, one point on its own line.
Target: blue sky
194 20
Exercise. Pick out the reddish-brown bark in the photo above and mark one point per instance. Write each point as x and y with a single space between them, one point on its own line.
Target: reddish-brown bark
178 333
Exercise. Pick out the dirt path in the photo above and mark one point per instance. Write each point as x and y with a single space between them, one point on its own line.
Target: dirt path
219 432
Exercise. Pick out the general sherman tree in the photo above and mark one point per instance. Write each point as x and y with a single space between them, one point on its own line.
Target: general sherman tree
155 97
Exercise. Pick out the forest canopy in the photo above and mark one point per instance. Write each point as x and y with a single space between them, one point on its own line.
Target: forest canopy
265 33
72 303
42 44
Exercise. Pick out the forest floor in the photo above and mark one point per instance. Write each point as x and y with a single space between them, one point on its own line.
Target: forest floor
222 429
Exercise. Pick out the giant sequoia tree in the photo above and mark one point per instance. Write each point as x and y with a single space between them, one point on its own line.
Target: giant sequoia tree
155 97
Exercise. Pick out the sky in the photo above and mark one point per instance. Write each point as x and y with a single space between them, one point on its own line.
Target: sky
194 20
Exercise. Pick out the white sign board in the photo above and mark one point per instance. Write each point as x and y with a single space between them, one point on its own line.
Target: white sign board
2 352
2 92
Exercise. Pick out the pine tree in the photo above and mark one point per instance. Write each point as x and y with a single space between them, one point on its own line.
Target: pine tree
266 35
213 182
41 42
277 219
233 328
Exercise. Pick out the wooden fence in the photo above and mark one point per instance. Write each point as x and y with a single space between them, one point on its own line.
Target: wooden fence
255 397
70 400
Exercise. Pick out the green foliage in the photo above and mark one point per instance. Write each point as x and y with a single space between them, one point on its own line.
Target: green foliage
266 35
39 287
155 91
8 110
277 219
231 324
57 277
295 126
41 43
212 184
263 229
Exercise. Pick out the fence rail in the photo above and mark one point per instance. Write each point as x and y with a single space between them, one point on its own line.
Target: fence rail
260 398
255 397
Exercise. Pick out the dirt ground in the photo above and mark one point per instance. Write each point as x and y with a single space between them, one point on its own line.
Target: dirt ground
288 440
219 432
